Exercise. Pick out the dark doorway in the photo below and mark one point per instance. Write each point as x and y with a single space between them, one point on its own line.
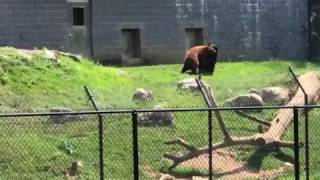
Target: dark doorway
78 16
314 28
131 45
79 35
194 36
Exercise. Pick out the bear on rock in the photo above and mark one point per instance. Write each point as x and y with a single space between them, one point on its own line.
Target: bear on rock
201 59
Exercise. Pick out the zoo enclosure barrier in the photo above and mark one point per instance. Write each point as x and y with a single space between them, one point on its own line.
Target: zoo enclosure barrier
306 122
132 144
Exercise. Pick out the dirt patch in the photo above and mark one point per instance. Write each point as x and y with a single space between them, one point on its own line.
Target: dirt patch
225 166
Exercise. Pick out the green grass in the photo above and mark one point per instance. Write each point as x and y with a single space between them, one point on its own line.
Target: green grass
38 84
35 149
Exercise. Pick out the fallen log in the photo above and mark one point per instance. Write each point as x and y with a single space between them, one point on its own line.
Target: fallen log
271 138
311 83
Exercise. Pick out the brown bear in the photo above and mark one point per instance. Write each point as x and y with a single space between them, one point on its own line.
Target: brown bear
201 59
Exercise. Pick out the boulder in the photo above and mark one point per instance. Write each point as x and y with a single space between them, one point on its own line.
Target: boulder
288 164
26 53
50 54
274 95
74 57
244 100
45 53
189 85
156 118
166 177
60 119
142 95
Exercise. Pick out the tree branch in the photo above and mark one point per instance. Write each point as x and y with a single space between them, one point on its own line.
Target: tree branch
270 138
195 152
183 143
211 103
252 118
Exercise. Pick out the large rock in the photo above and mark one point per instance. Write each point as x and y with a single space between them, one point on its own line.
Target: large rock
189 85
156 118
26 53
60 119
274 95
166 177
142 95
45 53
50 54
74 57
245 100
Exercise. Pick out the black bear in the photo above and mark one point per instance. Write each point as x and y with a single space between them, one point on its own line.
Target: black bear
201 59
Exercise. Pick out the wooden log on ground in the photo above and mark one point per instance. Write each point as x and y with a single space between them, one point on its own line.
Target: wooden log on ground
272 137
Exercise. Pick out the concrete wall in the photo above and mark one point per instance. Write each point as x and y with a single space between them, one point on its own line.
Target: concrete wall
315 29
260 29
243 29
34 23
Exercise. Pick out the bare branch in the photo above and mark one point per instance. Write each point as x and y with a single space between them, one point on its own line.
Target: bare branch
211 102
183 143
250 140
249 117
270 138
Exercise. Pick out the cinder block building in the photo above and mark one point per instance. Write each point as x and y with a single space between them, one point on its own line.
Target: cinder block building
159 31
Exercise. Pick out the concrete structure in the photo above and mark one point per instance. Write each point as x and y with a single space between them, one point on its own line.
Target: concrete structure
159 31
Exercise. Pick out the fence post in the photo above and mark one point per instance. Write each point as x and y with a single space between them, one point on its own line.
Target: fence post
306 123
306 126
101 160
210 144
135 145
101 149
296 143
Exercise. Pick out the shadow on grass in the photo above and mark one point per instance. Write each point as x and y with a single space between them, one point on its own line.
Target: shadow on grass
202 73
284 157
256 159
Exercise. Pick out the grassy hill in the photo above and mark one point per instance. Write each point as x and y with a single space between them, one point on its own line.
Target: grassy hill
37 83
36 149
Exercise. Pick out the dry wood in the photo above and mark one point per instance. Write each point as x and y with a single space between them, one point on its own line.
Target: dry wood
195 152
211 102
272 137
311 83
252 118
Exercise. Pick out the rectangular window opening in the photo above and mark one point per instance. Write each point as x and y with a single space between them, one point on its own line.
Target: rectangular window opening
78 16
194 37
131 43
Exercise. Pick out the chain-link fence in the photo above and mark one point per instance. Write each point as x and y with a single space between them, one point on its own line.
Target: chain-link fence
243 155
314 145
48 147
259 140
225 143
